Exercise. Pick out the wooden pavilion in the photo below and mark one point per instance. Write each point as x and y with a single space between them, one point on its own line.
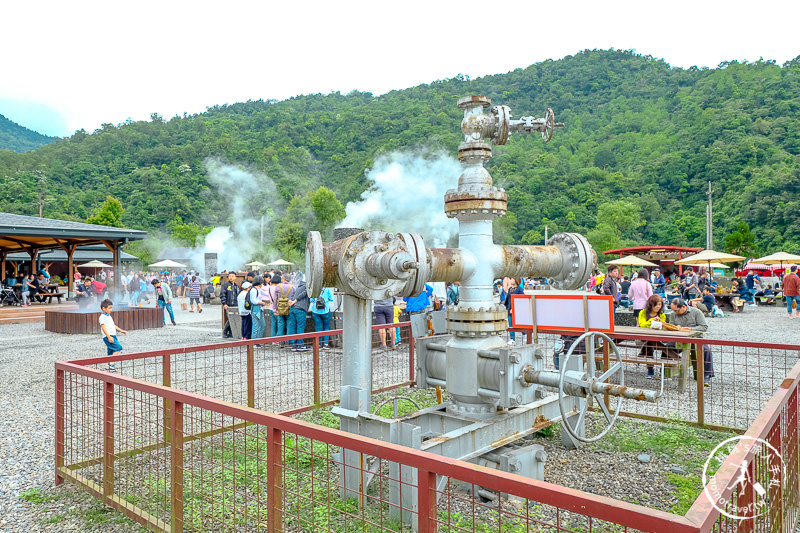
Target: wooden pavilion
19 233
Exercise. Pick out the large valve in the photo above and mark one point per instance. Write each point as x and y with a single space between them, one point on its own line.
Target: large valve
584 383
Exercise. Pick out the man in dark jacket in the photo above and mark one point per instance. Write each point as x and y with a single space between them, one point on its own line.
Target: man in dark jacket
609 286
228 298
299 303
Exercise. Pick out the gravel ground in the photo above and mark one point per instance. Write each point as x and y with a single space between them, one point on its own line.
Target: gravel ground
27 354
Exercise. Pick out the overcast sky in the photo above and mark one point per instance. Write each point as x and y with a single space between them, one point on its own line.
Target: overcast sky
72 65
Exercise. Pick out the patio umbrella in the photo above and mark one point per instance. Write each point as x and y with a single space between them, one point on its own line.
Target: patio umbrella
95 264
718 265
706 257
255 264
167 263
632 261
280 262
778 258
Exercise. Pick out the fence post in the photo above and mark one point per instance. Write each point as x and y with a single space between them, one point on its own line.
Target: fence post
775 464
166 380
411 367
315 369
251 376
59 425
274 480
426 499
700 377
176 469
108 440
606 366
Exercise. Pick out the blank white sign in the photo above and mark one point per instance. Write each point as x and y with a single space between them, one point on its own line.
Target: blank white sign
563 311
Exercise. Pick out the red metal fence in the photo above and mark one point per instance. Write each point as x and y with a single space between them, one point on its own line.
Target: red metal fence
180 440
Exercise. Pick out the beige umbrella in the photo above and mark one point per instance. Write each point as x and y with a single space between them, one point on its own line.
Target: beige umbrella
167 263
778 258
280 262
706 257
94 264
631 260
717 265
255 264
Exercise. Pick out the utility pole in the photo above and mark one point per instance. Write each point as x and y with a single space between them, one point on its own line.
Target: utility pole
545 234
709 225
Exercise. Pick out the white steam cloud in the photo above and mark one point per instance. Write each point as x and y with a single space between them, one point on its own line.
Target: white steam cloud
252 200
407 195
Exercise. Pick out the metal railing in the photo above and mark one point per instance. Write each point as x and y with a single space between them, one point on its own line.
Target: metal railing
181 440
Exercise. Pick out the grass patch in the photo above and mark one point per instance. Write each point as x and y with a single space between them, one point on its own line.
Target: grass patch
36 497
687 489
683 444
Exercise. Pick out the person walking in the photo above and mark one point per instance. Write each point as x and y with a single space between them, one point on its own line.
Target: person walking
514 288
321 312
164 299
791 290
659 282
639 291
109 330
609 285
194 295
384 314
244 311
227 297
298 310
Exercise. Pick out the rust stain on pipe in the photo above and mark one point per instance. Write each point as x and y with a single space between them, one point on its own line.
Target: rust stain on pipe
447 264
536 261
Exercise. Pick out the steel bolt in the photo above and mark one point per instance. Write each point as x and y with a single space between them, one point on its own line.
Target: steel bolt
351 276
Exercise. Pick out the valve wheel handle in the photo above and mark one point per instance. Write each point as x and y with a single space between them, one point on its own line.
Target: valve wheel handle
549 125
587 384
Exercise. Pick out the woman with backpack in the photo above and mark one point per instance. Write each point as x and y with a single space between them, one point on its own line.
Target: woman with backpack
321 311
298 310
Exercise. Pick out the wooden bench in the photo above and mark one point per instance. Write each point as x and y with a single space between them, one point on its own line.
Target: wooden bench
51 295
672 361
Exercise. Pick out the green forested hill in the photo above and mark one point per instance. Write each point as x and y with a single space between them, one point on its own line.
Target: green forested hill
632 165
18 138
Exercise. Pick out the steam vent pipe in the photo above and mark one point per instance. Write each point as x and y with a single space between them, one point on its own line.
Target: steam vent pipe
375 264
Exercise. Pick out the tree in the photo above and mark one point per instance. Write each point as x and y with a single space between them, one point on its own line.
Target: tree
327 209
741 241
622 217
110 214
187 234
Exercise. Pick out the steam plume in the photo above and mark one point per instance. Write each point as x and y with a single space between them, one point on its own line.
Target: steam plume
407 196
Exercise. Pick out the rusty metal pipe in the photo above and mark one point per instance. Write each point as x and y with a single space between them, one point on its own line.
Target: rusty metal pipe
447 264
530 261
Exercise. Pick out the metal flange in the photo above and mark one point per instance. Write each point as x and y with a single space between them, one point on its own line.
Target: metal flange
578 260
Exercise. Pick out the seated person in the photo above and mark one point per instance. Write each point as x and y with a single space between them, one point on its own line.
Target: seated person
35 288
767 293
706 302
741 289
691 319
652 316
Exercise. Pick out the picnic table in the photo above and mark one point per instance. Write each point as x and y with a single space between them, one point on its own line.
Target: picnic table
51 292
689 350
